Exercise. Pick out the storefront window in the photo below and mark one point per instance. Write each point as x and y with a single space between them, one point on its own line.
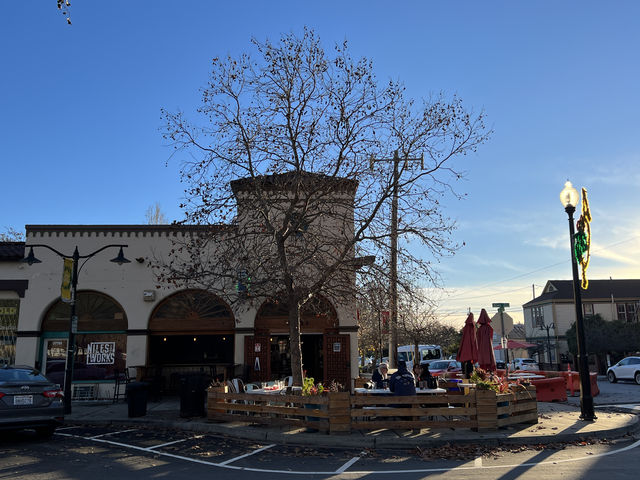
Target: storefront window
8 329
101 341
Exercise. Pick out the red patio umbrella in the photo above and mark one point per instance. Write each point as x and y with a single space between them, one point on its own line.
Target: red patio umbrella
515 344
484 336
468 351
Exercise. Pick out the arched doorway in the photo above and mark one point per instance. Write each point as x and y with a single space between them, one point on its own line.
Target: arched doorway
319 328
101 339
192 330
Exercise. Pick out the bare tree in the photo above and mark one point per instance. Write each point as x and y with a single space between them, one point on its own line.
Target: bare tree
12 235
65 6
155 216
281 172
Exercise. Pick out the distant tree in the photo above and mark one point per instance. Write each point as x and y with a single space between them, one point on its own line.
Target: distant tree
64 6
10 234
287 142
604 337
155 216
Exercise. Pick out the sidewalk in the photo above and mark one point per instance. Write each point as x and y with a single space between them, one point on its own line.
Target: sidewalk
557 422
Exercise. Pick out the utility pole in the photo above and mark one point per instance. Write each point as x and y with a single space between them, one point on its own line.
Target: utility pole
393 264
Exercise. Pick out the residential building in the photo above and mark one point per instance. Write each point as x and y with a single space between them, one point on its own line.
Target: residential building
548 316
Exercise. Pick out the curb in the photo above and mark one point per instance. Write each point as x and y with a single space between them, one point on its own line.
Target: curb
337 441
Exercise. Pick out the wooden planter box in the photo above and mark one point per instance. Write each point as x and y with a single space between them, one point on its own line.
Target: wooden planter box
214 403
341 412
501 409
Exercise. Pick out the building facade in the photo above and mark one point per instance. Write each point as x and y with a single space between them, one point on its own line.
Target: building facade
126 318
548 316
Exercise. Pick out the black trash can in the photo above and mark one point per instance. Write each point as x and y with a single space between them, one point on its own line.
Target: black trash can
193 395
137 393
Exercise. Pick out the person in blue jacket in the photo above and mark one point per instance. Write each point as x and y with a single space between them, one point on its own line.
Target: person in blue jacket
402 382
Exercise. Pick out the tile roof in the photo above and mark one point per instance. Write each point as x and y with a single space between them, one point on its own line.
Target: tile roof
11 251
562 290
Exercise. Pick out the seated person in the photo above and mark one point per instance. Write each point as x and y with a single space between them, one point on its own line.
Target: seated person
425 376
379 377
402 382
417 371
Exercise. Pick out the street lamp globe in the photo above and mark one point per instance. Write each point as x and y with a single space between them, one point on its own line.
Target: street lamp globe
569 195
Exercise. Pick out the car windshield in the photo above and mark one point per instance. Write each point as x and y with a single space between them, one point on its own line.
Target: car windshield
20 375
438 365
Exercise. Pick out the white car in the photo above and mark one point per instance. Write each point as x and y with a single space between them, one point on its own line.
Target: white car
525 364
626 369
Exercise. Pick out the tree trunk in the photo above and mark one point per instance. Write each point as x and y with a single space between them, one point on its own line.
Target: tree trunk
295 341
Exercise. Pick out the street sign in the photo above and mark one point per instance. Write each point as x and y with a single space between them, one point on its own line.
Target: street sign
496 323
500 305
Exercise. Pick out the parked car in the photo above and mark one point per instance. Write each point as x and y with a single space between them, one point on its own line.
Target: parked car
525 364
29 400
626 369
440 367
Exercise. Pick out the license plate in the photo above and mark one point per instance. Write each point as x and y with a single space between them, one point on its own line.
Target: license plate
23 400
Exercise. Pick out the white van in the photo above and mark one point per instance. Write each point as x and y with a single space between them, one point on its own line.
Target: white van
428 353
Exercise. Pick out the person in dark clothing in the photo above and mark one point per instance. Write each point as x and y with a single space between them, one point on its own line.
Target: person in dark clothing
425 376
402 382
379 377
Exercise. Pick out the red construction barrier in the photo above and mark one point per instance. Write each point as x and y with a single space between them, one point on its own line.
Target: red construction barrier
573 383
550 389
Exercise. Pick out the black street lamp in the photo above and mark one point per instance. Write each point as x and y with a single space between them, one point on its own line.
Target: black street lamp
569 199
547 328
73 320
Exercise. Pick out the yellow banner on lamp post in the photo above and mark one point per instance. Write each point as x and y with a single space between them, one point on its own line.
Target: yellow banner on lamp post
65 287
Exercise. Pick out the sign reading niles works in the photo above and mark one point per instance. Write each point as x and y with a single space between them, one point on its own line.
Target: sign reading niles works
101 353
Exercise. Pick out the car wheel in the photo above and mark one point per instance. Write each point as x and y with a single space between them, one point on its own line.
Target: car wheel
45 432
612 377
637 378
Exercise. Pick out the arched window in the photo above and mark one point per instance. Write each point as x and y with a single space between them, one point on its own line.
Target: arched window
192 311
192 327
101 339
317 316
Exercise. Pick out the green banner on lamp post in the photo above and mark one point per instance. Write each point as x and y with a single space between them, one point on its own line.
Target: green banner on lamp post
65 287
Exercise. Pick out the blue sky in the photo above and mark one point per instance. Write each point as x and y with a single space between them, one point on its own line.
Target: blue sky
80 116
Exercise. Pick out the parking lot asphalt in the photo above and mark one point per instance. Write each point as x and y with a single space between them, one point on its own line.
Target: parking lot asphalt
557 422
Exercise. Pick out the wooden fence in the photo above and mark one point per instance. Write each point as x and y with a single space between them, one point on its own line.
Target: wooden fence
343 412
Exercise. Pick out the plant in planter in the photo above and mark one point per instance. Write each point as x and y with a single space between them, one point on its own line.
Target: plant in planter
487 381
309 387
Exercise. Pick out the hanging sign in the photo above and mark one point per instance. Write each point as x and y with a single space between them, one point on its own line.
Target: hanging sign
101 353
257 347
384 318
337 347
65 287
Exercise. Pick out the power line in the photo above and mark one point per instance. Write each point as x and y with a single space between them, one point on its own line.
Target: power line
540 269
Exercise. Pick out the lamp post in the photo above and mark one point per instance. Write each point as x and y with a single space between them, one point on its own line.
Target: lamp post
569 199
547 328
73 320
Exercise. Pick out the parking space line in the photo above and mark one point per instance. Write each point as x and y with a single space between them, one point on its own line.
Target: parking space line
262 449
589 457
113 433
347 465
176 441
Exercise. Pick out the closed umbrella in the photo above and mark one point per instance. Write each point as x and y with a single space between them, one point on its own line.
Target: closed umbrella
468 351
484 336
